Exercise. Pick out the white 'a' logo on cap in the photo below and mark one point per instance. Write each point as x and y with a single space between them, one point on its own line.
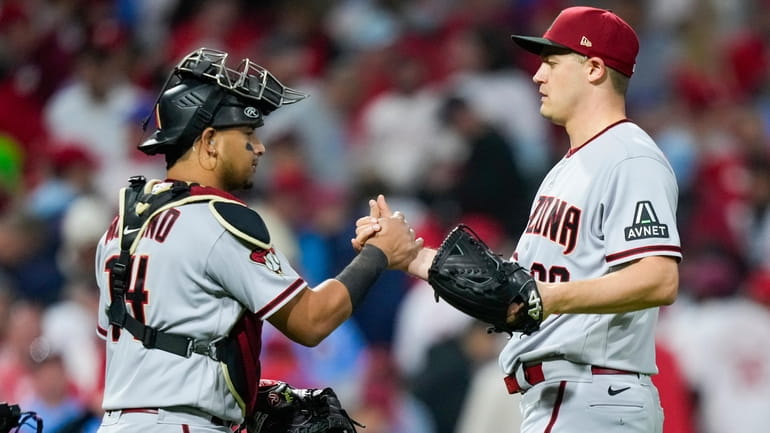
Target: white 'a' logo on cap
584 41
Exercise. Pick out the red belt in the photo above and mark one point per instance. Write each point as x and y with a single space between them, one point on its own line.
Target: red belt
534 375
214 420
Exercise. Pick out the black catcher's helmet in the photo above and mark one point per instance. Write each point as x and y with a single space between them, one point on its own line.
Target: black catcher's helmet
202 91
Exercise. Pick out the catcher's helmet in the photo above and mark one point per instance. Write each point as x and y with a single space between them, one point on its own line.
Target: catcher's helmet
202 91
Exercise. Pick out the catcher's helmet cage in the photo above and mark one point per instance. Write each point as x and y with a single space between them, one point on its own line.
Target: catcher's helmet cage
202 91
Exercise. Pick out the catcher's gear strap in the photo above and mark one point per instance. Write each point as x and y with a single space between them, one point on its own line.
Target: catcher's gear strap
139 203
243 222
362 272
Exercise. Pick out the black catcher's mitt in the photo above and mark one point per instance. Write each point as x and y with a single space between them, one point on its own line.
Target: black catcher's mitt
478 282
282 408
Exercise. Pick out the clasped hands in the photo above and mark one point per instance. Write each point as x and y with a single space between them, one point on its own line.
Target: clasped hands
388 231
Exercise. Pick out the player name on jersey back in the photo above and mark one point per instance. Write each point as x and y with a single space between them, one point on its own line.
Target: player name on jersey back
157 229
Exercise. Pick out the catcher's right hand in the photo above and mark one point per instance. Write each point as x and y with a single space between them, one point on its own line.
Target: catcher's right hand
390 232
478 282
282 408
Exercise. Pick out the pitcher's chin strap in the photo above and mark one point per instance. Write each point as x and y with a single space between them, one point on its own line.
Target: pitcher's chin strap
137 207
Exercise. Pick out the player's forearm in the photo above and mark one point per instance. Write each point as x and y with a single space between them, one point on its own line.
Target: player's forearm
420 265
313 314
650 282
331 305
317 312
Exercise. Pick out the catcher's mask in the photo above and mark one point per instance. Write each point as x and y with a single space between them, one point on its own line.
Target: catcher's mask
202 91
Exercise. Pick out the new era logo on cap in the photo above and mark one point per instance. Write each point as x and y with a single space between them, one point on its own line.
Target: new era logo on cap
592 32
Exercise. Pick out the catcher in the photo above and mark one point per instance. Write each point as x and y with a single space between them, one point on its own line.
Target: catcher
187 272
599 253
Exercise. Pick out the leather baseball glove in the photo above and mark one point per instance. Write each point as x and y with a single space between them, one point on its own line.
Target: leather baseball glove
478 282
282 408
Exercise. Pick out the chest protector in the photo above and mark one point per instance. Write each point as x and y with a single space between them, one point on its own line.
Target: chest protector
237 352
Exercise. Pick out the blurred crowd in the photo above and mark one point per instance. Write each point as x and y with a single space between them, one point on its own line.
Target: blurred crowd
425 101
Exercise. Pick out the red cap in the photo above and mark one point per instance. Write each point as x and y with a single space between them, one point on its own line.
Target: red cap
592 32
68 155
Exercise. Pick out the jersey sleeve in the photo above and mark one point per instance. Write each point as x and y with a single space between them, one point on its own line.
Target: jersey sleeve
639 211
102 321
263 280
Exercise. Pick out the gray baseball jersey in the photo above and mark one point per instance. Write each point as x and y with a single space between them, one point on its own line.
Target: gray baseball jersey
190 277
608 202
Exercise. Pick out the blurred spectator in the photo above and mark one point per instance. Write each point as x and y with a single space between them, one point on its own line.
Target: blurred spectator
710 272
69 325
304 23
658 50
732 337
757 228
225 25
490 166
82 225
413 335
697 73
673 128
70 173
39 41
134 162
386 405
51 397
487 407
483 74
147 20
318 123
443 382
23 328
400 134
720 176
286 190
748 58
93 108
27 257
362 25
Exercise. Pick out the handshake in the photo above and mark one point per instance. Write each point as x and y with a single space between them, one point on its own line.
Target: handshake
390 232
463 271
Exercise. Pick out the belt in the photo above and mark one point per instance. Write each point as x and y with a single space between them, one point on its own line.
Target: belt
534 375
214 419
